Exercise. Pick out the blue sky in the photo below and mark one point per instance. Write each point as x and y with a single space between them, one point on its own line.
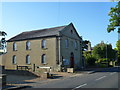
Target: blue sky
89 18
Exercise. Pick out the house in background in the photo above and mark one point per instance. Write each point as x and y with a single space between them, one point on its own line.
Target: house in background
57 47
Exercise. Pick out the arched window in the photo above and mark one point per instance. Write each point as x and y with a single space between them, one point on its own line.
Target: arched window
27 59
43 59
27 45
14 46
43 43
14 59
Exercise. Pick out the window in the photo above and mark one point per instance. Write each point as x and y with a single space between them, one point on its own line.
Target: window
71 31
66 43
14 59
27 59
14 46
43 61
43 43
80 42
72 43
27 45
75 44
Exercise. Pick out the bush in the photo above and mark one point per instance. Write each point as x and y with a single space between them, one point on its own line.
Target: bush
102 65
90 61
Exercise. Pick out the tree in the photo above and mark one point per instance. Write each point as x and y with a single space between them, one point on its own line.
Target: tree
2 41
115 18
89 59
100 50
84 45
118 50
2 33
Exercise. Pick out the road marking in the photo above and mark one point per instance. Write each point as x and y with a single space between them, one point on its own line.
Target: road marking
80 86
101 77
112 73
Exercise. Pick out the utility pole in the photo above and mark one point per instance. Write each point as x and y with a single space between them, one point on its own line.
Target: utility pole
107 54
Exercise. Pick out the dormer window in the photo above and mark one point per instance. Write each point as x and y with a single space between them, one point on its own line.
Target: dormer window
27 45
14 46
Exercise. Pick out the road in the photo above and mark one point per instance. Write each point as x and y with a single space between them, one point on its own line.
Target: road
102 79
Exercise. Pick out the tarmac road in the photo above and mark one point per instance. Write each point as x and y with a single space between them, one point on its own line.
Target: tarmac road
108 78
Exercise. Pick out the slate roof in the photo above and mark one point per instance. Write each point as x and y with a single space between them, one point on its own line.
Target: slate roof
48 32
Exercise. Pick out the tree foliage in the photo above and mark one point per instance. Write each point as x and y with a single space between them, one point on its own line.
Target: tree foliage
2 40
89 59
118 49
84 45
115 18
2 33
101 50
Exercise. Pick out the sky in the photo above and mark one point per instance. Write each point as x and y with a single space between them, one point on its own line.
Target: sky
89 18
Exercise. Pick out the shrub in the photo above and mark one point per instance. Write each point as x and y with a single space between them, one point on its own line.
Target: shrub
91 61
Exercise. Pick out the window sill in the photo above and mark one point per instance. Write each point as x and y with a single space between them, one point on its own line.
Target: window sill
28 64
44 63
28 49
44 48
15 50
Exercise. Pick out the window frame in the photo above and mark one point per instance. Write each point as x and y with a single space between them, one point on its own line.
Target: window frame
71 31
66 43
75 44
43 44
14 61
28 44
14 46
28 59
43 59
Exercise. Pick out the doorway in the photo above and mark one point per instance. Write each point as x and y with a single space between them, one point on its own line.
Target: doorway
72 60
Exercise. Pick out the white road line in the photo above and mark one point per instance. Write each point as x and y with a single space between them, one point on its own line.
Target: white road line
112 73
101 77
81 86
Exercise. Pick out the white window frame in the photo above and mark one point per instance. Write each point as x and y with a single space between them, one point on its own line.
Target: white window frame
28 45
14 59
28 59
43 43
14 46
43 59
